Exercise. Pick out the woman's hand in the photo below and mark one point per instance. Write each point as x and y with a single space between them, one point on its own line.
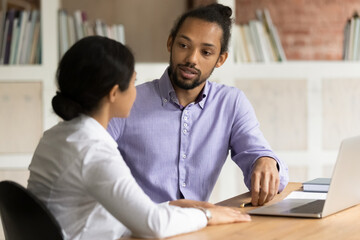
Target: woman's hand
222 215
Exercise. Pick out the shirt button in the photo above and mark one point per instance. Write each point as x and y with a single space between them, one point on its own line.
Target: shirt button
185 111
184 156
185 125
183 184
165 100
184 131
185 118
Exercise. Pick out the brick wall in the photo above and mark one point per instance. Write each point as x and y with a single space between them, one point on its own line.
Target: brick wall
309 29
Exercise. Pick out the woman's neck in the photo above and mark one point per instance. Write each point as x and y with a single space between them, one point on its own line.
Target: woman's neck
102 115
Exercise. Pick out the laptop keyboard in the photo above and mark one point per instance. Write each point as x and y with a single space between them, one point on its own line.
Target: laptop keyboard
311 207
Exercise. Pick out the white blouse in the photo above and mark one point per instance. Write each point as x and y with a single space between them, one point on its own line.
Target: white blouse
79 173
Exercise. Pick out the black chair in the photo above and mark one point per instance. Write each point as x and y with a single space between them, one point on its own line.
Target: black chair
24 216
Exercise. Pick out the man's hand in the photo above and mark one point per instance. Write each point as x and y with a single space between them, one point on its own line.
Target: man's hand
265 181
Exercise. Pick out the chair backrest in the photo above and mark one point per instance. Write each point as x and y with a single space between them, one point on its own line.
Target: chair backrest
24 216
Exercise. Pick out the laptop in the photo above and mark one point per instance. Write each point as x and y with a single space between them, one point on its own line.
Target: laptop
344 190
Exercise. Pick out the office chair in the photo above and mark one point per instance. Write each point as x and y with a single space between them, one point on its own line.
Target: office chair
24 216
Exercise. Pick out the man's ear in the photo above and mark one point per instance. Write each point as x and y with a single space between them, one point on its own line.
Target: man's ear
169 43
113 93
222 59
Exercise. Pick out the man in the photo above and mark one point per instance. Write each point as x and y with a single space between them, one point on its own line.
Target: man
182 126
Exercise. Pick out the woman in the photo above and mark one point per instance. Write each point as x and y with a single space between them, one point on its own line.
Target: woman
78 171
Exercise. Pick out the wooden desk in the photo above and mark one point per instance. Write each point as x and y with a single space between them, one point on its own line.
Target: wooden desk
339 226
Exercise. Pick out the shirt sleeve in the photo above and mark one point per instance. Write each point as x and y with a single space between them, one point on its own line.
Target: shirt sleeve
116 127
247 142
108 179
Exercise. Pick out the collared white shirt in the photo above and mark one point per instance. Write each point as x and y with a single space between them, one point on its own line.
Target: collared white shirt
79 173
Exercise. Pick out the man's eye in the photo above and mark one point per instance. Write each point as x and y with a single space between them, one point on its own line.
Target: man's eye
206 53
182 45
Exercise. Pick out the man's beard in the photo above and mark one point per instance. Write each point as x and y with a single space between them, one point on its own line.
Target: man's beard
187 85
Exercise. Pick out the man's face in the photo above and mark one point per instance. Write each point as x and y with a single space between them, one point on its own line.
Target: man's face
195 52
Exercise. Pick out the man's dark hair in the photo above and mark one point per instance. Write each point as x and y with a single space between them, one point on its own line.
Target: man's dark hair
214 13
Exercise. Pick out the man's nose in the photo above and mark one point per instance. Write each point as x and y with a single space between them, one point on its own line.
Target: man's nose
193 57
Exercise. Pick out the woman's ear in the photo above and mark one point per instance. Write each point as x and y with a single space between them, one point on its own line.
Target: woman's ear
113 93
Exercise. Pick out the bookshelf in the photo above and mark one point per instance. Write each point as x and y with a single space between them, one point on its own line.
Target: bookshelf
20 32
38 84
147 23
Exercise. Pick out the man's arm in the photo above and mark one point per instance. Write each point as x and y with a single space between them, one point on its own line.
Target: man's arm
264 173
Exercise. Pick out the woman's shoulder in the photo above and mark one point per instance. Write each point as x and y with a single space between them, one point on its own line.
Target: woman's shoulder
75 135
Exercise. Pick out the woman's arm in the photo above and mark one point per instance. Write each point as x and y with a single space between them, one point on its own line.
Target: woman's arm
108 179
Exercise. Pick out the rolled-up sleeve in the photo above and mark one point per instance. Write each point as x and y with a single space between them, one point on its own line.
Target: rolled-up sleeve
247 143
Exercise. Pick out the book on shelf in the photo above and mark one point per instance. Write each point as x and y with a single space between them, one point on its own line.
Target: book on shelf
249 43
73 27
356 38
351 48
258 40
273 36
3 45
99 28
120 30
38 54
23 24
14 40
63 32
29 36
265 36
255 37
35 43
78 24
247 55
87 29
317 185
2 23
240 56
10 19
71 33
346 39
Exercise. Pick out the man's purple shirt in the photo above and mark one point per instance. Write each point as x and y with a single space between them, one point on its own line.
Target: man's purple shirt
176 151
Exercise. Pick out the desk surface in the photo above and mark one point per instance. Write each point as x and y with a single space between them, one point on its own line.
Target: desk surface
339 226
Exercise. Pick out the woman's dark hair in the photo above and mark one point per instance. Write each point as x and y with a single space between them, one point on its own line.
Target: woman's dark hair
87 72
214 13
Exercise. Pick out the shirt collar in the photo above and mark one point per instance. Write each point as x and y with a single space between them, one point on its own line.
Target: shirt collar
201 99
96 129
167 92
166 89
